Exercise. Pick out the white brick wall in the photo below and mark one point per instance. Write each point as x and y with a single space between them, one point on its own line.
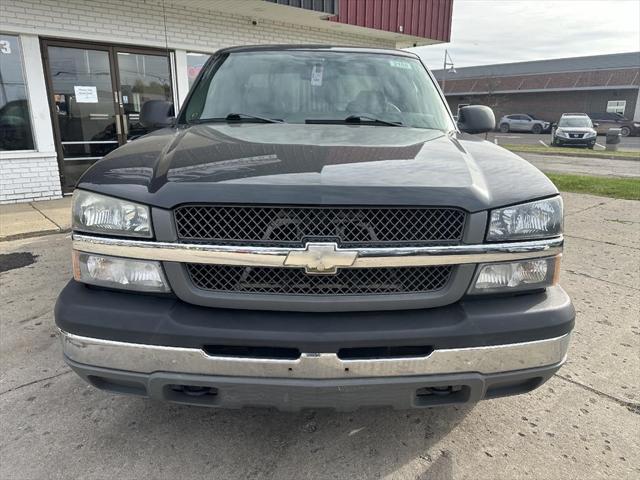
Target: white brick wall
141 22
31 178
134 22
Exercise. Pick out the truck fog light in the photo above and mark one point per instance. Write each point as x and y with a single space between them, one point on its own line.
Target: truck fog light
122 273
516 276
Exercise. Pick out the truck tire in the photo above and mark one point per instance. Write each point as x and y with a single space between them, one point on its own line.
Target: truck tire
504 128
537 129
625 131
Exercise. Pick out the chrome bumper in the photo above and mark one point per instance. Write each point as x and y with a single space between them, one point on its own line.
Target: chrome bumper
148 359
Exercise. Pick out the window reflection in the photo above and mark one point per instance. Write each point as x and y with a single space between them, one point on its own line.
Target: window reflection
15 121
195 62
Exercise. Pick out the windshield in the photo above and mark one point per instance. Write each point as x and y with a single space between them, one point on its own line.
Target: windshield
575 122
307 86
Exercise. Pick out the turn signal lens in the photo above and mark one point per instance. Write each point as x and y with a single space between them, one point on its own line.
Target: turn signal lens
122 273
516 276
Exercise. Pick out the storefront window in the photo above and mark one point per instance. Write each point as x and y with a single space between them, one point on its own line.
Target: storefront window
195 62
15 121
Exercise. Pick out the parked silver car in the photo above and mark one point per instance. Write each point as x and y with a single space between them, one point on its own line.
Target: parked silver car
521 122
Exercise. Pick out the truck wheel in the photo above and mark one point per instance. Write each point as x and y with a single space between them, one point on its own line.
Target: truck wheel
504 128
537 129
625 131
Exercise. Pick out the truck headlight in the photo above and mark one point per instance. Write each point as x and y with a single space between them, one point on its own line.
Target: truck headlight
122 273
516 276
561 133
97 213
590 134
533 220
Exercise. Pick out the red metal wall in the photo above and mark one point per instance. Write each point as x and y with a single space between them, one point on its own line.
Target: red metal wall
421 18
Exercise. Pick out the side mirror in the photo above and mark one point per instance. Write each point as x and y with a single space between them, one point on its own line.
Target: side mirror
476 119
596 125
157 114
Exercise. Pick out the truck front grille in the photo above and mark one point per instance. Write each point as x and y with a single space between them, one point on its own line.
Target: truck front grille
293 281
293 226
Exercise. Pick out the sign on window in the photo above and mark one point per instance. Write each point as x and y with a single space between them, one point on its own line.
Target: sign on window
616 106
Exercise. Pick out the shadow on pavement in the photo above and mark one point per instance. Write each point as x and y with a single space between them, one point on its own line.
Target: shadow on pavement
260 443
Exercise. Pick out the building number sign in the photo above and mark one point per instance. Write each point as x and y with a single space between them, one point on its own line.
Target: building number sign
5 47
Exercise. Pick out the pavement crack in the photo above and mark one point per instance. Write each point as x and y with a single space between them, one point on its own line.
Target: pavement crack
586 275
35 381
45 216
601 241
631 406
589 208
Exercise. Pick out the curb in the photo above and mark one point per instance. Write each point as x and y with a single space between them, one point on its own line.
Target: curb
576 155
39 233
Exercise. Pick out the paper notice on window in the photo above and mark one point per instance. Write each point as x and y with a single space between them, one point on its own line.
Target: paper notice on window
86 94
316 75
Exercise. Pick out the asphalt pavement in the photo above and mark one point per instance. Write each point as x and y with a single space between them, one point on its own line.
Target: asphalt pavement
583 423
517 138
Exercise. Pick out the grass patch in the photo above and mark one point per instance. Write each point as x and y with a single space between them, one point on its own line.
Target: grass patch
569 151
627 188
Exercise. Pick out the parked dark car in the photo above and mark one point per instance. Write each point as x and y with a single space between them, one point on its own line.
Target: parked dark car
607 120
314 230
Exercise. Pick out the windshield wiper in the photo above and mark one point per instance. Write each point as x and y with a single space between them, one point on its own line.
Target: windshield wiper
237 117
357 119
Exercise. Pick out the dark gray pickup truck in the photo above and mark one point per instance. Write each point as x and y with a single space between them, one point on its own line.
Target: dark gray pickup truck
311 230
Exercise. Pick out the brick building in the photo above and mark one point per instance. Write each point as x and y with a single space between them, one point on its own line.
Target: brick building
548 88
74 73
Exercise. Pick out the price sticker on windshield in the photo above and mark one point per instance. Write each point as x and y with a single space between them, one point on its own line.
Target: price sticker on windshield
400 64
316 75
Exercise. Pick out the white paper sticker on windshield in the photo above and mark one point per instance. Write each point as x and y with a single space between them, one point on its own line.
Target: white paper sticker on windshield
316 75
400 64
86 94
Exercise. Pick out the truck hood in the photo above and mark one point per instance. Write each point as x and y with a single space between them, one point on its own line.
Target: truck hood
315 164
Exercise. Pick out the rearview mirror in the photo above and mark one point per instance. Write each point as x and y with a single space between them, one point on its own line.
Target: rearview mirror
157 114
476 119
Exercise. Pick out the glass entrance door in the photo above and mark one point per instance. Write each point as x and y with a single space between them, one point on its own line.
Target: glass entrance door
141 77
96 95
84 109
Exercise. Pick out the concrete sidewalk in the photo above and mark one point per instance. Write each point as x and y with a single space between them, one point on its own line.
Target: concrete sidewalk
21 220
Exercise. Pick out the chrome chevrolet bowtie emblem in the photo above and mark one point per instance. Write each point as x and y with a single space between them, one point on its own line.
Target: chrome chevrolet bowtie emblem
321 258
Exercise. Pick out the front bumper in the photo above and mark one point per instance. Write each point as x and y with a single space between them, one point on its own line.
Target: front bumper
190 376
153 346
586 142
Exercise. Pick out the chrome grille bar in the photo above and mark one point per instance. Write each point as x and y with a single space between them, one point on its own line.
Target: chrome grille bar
276 256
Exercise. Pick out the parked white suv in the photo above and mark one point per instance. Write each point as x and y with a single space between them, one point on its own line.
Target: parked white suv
574 129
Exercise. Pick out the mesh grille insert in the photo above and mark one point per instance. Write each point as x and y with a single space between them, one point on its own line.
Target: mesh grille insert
293 281
293 226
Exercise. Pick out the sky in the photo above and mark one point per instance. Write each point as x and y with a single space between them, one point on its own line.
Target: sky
485 32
